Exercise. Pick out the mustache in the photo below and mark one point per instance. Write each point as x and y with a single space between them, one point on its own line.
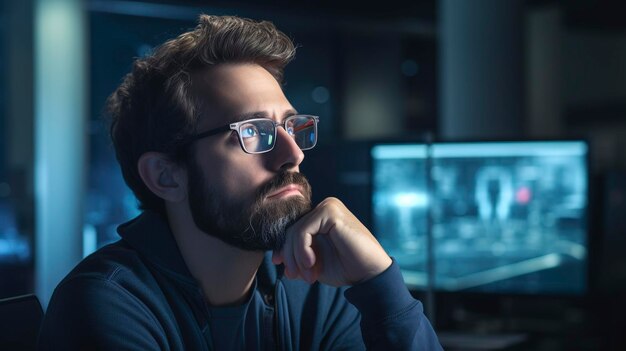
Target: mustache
283 179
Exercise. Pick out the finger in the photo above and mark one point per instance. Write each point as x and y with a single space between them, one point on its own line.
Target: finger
318 266
291 267
334 218
321 249
302 236
304 254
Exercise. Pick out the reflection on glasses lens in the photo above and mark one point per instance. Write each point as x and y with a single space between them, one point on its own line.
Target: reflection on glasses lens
258 135
303 131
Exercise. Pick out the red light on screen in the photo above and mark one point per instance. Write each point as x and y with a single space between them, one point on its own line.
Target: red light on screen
523 195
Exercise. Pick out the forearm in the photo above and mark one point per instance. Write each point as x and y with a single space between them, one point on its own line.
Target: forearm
391 319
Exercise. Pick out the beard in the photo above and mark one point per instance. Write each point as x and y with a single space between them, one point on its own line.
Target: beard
256 225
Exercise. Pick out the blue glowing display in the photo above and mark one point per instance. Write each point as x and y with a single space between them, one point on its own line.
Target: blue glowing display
506 217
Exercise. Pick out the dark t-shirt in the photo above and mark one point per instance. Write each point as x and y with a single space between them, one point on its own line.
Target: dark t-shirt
243 327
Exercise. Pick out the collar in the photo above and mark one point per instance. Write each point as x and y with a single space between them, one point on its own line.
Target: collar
150 235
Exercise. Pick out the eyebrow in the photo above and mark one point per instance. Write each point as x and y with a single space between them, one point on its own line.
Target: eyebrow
262 114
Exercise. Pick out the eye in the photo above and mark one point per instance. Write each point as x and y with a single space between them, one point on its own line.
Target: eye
248 131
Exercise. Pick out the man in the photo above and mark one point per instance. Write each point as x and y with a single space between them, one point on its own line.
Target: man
228 253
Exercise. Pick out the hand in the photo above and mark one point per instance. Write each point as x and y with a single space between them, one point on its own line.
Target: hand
331 245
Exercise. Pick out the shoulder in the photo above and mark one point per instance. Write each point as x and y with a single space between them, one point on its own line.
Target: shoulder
107 294
112 270
112 262
115 271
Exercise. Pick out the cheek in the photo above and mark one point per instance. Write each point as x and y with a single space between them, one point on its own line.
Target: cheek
231 172
238 178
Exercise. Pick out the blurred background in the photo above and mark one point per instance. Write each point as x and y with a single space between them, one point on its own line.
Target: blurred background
482 141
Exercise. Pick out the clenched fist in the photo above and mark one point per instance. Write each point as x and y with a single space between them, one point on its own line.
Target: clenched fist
330 245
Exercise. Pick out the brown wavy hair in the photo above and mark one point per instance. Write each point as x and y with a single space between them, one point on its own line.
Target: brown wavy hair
154 108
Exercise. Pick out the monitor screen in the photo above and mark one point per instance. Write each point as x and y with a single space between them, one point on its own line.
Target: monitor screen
504 217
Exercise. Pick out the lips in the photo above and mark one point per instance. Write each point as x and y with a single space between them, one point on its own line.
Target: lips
289 190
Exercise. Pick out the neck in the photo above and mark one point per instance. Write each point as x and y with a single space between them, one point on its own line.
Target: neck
224 272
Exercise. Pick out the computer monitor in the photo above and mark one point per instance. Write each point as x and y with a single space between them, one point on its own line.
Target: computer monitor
504 217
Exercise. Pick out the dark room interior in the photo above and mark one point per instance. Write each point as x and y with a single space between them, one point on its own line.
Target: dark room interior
482 142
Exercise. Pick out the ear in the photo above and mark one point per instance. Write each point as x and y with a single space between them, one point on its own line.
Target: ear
164 177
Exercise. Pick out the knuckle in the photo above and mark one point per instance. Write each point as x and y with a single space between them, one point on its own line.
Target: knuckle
332 203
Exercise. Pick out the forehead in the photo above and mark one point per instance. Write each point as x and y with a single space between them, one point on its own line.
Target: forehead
232 90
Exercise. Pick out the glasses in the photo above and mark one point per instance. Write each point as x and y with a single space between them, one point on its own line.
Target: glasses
258 135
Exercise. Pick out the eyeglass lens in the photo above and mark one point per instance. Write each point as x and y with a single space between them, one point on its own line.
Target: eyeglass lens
258 135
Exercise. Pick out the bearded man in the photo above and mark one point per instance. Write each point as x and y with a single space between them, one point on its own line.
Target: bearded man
228 253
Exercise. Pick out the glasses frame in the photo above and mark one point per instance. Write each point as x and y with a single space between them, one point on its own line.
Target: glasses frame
235 127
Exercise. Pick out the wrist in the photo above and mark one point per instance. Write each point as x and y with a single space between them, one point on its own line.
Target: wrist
376 269
381 296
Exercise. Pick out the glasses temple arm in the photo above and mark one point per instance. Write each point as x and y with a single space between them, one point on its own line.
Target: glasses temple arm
212 132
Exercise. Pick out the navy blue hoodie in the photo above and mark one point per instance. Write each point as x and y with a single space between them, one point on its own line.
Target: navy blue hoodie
137 294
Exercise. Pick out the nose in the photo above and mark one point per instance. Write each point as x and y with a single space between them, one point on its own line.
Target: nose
286 154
